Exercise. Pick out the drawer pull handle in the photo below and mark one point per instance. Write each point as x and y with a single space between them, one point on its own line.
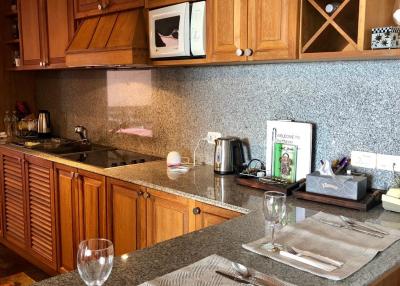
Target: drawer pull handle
196 211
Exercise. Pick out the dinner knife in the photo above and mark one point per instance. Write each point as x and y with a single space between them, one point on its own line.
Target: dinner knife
233 277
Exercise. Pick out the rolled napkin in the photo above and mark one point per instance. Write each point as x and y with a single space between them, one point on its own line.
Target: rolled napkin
353 249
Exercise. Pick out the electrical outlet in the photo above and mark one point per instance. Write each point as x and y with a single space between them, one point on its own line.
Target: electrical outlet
211 136
363 159
385 162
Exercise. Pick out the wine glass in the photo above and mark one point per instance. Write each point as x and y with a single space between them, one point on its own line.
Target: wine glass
95 261
275 213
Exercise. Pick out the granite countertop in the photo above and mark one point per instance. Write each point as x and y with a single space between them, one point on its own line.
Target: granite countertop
226 239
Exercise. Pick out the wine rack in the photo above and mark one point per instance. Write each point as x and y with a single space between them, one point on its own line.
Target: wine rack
11 33
344 33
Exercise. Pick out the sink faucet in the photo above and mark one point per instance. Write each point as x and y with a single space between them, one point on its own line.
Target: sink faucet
83 133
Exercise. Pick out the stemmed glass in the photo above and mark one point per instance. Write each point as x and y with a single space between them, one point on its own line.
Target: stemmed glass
95 261
275 213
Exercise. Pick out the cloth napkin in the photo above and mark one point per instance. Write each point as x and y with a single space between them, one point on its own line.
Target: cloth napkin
352 248
202 273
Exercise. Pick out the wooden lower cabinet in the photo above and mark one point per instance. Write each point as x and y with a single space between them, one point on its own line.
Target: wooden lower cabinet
126 216
14 197
82 211
168 216
41 210
65 188
208 215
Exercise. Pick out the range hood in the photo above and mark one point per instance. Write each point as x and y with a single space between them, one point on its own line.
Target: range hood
111 39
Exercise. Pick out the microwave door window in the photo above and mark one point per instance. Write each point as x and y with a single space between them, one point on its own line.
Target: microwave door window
167 33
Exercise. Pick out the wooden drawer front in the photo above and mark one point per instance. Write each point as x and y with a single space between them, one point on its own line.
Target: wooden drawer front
41 218
14 207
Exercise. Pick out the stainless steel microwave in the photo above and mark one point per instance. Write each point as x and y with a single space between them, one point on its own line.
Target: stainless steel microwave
178 31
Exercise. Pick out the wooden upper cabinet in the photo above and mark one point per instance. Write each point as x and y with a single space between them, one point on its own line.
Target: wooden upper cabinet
208 215
60 30
126 216
87 8
13 185
168 216
46 28
41 210
227 29
31 20
273 29
242 30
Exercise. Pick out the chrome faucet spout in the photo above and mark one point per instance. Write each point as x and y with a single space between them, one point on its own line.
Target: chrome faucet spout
82 132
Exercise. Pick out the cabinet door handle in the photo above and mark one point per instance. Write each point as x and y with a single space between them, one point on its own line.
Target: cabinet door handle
196 211
146 195
102 6
41 63
140 193
76 175
239 52
248 52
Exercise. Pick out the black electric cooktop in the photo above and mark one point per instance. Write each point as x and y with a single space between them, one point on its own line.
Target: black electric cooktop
111 158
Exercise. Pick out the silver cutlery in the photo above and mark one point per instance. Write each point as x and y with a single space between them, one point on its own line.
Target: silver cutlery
358 224
233 277
309 261
316 256
350 227
244 272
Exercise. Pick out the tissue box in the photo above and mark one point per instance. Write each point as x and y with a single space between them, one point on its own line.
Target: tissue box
385 38
347 187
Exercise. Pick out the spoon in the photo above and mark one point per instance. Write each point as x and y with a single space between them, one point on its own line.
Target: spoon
244 272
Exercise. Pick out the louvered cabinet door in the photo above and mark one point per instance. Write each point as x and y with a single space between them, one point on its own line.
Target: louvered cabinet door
41 210
13 198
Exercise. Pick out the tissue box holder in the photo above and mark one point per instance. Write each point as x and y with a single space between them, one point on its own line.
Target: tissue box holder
347 187
385 38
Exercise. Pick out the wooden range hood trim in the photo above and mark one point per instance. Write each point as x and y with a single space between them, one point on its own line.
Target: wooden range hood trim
111 39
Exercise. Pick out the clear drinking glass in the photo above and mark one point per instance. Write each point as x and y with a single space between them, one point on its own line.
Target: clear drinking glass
95 261
275 213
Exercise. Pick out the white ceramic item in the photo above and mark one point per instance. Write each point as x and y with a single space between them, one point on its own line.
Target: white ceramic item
174 159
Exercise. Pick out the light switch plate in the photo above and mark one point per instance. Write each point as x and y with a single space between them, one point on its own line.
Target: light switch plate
385 162
211 136
363 159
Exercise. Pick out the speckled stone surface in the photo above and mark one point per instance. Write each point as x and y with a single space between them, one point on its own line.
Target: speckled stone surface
353 104
226 239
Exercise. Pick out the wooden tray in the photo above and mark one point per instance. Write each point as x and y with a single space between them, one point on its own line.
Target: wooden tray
256 184
372 199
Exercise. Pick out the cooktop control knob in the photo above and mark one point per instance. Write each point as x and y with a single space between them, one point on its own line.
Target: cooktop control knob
142 160
133 162
114 164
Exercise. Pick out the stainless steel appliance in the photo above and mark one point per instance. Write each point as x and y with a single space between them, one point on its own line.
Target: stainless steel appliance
228 156
44 125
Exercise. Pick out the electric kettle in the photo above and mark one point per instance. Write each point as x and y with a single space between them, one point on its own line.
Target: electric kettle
44 126
228 156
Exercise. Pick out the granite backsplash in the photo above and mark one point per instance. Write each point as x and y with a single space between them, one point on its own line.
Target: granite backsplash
354 106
